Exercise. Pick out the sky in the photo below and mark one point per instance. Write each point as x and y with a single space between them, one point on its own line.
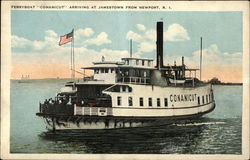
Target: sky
35 36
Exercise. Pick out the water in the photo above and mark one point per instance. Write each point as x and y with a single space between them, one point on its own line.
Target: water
218 132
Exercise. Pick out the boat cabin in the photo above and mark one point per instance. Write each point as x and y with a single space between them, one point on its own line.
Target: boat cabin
129 70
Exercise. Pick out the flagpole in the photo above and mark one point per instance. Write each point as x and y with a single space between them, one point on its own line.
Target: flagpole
200 58
73 56
65 39
71 60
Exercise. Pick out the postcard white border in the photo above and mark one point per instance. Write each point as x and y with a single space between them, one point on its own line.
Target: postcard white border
175 6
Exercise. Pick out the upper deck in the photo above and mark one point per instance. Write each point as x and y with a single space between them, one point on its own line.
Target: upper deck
143 63
134 70
140 71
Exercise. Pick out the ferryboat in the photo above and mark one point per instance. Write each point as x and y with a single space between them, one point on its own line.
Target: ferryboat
130 93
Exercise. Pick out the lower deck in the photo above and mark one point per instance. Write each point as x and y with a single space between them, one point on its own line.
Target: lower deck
107 118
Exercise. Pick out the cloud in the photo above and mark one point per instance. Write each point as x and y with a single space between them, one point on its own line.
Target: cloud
101 39
215 63
29 53
38 45
134 36
150 35
146 47
20 42
211 56
57 63
82 34
176 33
50 35
84 37
87 32
114 54
233 55
51 39
146 41
141 27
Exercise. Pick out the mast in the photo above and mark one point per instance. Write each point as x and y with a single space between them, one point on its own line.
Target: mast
71 59
73 53
130 48
200 57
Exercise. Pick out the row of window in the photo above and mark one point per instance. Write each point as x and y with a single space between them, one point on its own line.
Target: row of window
104 70
205 99
137 62
134 73
208 99
141 101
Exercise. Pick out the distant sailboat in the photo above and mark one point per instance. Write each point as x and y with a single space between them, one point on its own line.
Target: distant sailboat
25 79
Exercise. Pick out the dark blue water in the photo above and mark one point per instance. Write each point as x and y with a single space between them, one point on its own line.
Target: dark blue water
218 132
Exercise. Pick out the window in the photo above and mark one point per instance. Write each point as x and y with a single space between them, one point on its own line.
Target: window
119 101
106 70
96 71
137 62
141 101
137 73
150 102
124 88
198 100
202 99
158 102
209 98
126 72
112 70
206 99
165 102
130 101
129 89
149 63
102 70
143 62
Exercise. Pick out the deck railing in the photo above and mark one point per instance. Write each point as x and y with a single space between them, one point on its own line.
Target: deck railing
58 109
134 80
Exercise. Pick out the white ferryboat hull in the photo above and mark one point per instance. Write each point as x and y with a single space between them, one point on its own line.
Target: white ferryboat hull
182 103
164 117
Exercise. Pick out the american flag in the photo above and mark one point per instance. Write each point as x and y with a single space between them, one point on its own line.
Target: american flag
66 38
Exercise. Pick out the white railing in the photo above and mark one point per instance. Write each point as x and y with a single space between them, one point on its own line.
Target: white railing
134 80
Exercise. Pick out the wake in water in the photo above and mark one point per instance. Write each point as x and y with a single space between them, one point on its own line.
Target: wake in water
182 128
199 123
192 136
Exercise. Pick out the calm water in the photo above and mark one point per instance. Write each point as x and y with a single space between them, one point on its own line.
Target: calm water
216 132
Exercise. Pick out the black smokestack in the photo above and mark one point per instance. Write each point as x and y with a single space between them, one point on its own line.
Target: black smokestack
159 42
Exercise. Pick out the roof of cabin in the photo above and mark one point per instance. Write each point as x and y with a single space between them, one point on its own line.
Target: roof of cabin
120 66
148 59
176 68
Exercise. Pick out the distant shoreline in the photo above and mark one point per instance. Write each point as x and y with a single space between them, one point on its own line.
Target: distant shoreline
69 79
230 84
45 80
